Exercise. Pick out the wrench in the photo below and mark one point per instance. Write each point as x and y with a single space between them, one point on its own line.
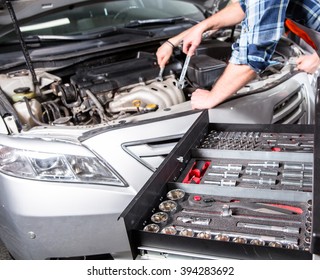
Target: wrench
181 82
160 76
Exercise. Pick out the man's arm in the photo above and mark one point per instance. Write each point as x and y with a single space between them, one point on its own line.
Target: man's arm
234 78
229 16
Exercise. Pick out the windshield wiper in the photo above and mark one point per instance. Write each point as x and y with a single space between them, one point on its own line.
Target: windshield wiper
86 37
142 22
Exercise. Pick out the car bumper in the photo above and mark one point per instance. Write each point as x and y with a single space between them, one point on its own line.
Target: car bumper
43 220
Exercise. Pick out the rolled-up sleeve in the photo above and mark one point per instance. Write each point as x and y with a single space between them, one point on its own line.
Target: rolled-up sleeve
261 30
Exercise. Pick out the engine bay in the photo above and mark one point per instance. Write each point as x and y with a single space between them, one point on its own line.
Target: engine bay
107 90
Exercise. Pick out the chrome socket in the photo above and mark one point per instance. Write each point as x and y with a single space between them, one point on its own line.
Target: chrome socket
176 195
169 230
239 239
204 235
151 228
168 206
292 247
275 244
222 237
187 232
257 242
160 218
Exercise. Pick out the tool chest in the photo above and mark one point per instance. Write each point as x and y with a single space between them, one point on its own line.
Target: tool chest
232 191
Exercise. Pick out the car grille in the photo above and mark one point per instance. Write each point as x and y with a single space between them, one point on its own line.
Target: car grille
291 110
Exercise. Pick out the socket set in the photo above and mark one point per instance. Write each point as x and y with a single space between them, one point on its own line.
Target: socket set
250 174
276 224
259 141
232 191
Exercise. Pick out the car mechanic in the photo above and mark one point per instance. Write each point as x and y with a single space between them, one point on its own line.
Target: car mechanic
263 24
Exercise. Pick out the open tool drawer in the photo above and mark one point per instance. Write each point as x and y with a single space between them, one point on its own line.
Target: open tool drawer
232 191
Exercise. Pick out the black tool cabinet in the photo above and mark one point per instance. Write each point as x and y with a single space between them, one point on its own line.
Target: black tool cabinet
232 191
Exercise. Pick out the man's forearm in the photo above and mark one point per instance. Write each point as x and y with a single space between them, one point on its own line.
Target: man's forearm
229 16
234 78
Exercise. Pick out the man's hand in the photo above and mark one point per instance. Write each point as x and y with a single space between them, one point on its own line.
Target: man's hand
232 14
192 40
308 63
202 99
164 53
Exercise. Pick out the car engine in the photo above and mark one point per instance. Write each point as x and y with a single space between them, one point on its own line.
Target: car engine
102 91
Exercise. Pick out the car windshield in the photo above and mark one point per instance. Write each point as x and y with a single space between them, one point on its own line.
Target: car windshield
91 16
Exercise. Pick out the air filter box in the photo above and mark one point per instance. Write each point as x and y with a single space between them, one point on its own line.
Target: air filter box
203 70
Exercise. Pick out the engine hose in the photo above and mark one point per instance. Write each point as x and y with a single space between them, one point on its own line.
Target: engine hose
25 99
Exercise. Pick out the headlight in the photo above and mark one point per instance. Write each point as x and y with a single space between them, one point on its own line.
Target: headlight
56 167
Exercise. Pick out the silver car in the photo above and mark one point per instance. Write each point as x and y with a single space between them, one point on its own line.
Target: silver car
85 119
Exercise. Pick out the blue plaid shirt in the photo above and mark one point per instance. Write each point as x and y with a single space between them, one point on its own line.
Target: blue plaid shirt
263 27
